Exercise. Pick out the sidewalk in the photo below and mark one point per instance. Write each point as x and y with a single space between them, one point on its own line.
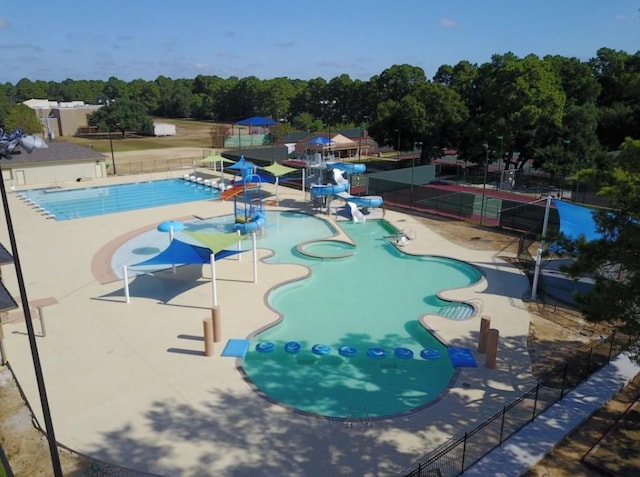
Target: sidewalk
528 446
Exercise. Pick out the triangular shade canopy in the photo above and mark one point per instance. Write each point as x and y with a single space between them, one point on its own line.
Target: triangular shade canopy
257 121
576 221
278 170
179 253
212 158
215 242
182 253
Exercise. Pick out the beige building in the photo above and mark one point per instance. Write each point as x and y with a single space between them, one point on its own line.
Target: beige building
61 118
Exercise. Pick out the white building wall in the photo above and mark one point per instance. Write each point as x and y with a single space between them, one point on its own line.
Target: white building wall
55 174
164 129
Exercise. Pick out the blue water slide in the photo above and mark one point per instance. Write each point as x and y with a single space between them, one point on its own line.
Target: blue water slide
369 201
258 222
328 190
347 167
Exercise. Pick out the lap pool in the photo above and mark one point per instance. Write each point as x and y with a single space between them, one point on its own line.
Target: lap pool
66 204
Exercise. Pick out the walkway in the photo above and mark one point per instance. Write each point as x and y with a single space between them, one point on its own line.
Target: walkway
127 383
528 446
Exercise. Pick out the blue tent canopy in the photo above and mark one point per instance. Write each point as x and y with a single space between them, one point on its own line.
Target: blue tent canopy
320 141
576 220
242 165
183 253
256 177
257 121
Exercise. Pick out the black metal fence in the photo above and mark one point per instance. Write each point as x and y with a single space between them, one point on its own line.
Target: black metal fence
472 205
158 165
455 456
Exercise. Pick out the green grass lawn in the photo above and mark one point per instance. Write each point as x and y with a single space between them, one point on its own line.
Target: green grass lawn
190 134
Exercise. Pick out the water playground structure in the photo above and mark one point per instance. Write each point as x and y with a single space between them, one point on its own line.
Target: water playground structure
340 189
246 193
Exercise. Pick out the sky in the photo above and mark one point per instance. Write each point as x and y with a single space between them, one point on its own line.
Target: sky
136 39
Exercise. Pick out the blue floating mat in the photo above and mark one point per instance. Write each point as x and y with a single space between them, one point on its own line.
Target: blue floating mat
462 358
235 348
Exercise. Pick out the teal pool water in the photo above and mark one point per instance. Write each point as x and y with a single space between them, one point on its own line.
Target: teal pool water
367 295
372 298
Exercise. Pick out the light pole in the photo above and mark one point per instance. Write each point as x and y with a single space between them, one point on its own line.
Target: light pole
8 142
500 163
417 146
113 159
398 145
566 142
109 129
484 182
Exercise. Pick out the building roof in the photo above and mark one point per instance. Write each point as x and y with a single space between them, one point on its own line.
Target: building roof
354 133
66 105
56 152
6 300
260 156
5 255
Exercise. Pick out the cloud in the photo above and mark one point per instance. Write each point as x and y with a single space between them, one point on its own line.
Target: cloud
448 23
3 22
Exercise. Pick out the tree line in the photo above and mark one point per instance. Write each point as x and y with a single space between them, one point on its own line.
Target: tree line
563 113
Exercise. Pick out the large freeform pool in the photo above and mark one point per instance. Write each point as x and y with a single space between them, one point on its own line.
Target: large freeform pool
66 204
368 301
370 298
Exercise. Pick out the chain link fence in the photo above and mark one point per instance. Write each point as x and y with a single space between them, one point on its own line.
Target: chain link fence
452 458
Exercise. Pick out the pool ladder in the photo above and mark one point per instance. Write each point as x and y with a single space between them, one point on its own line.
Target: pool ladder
366 419
348 423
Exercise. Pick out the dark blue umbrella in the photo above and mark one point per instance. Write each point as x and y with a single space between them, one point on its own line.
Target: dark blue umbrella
320 141
257 121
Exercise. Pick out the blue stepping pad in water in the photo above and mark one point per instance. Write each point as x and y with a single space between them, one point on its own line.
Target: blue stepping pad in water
265 347
403 353
292 347
462 358
320 349
347 351
235 348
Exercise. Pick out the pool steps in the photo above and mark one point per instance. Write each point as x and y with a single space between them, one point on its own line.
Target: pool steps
456 312
205 182
35 206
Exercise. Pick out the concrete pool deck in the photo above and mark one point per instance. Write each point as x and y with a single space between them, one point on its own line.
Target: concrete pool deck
128 383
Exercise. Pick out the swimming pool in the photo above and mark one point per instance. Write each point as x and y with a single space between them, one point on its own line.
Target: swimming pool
365 296
66 204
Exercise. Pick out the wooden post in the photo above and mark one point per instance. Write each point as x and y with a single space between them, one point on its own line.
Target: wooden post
492 348
485 324
3 353
207 324
215 318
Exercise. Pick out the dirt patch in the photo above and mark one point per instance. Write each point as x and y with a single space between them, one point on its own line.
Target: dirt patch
23 445
606 444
